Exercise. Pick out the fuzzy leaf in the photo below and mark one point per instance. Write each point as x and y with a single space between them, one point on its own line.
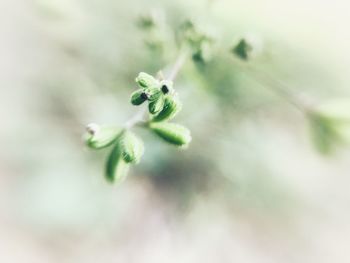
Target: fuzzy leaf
324 134
172 133
337 109
172 106
153 93
131 148
104 137
138 97
146 81
116 167
156 103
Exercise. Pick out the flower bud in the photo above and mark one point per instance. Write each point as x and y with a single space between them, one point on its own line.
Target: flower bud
172 106
156 102
138 97
146 81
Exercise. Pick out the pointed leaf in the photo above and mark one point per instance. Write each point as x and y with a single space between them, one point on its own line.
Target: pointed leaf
116 168
172 106
103 137
242 49
146 81
172 133
138 97
131 148
156 103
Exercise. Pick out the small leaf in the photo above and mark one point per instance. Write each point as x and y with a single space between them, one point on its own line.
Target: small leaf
131 148
172 106
156 103
146 81
323 132
138 97
152 93
103 137
337 109
242 49
172 133
116 167
146 22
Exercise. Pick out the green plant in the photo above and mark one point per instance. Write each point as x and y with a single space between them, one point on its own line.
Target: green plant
127 147
163 103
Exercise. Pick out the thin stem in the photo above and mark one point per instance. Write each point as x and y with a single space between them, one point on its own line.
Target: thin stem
180 61
277 87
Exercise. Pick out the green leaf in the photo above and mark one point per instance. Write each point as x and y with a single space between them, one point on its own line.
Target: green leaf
242 49
131 147
116 167
146 22
172 106
138 97
323 132
156 103
337 109
172 133
146 81
103 137
153 93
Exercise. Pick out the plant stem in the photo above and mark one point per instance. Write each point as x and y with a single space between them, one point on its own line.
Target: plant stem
278 87
180 61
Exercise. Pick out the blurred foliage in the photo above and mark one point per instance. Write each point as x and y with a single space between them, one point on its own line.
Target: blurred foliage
100 46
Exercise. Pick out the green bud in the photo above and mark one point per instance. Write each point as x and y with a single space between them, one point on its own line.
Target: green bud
146 22
323 133
156 103
146 81
166 86
116 167
172 133
172 106
131 148
242 49
138 97
101 137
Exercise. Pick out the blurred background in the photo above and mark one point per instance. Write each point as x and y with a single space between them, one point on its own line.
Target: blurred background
250 188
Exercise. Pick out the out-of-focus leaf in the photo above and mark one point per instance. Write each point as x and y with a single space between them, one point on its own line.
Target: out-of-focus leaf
324 134
242 49
337 109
